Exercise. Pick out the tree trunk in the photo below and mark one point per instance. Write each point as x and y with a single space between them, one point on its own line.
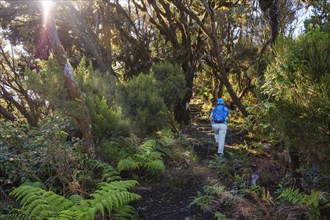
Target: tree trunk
295 166
84 119
213 37
274 24
220 63
181 110
29 115
7 114
223 75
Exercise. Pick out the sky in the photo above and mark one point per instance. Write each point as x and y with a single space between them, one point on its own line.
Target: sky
303 14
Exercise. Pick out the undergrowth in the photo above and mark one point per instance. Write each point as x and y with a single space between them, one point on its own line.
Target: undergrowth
148 159
109 200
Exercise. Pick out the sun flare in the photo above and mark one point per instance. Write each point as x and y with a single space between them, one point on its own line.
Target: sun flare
47 6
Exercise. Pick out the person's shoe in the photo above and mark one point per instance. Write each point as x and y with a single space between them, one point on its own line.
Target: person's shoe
220 154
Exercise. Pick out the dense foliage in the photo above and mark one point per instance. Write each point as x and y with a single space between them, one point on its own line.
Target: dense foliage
101 91
143 104
298 81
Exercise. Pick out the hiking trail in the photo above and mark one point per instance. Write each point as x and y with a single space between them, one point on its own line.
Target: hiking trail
171 195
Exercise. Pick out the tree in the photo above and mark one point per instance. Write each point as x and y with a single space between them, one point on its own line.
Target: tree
320 18
211 33
298 81
84 119
181 43
17 100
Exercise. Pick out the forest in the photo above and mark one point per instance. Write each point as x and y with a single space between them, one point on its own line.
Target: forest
105 109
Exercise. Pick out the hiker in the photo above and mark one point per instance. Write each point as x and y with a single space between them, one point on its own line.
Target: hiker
219 125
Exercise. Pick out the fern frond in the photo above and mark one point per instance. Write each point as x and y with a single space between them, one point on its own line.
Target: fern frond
166 151
203 201
40 211
155 166
21 192
125 212
30 198
13 217
154 155
70 215
147 146
39 203
292 195
121 185
127 164
110 197
109 173
313 199
296 197
114 199
215 190
36 207
75 199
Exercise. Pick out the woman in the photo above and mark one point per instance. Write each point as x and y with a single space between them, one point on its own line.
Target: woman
219 124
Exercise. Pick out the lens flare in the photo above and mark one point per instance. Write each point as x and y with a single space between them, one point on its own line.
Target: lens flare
47 6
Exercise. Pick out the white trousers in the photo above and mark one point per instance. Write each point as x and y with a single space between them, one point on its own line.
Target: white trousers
220 131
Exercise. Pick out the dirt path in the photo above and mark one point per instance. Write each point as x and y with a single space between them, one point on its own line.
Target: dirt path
171 195
245 165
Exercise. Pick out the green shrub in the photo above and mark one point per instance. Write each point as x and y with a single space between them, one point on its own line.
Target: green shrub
37 154
143 105
107 122
93 83
297 80
171 81
99 91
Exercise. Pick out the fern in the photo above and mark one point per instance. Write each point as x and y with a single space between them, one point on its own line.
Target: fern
215 190
203 201
220 216
147 146
127 164
146 158
38 203
124 212
13 216
311 201
110 199
212 198
109 173
154 166
292 195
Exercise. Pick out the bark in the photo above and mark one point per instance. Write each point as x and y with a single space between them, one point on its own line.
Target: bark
84 119
87 37
13 82
295 166
224 77
31 118
7 114
274 20
181 110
